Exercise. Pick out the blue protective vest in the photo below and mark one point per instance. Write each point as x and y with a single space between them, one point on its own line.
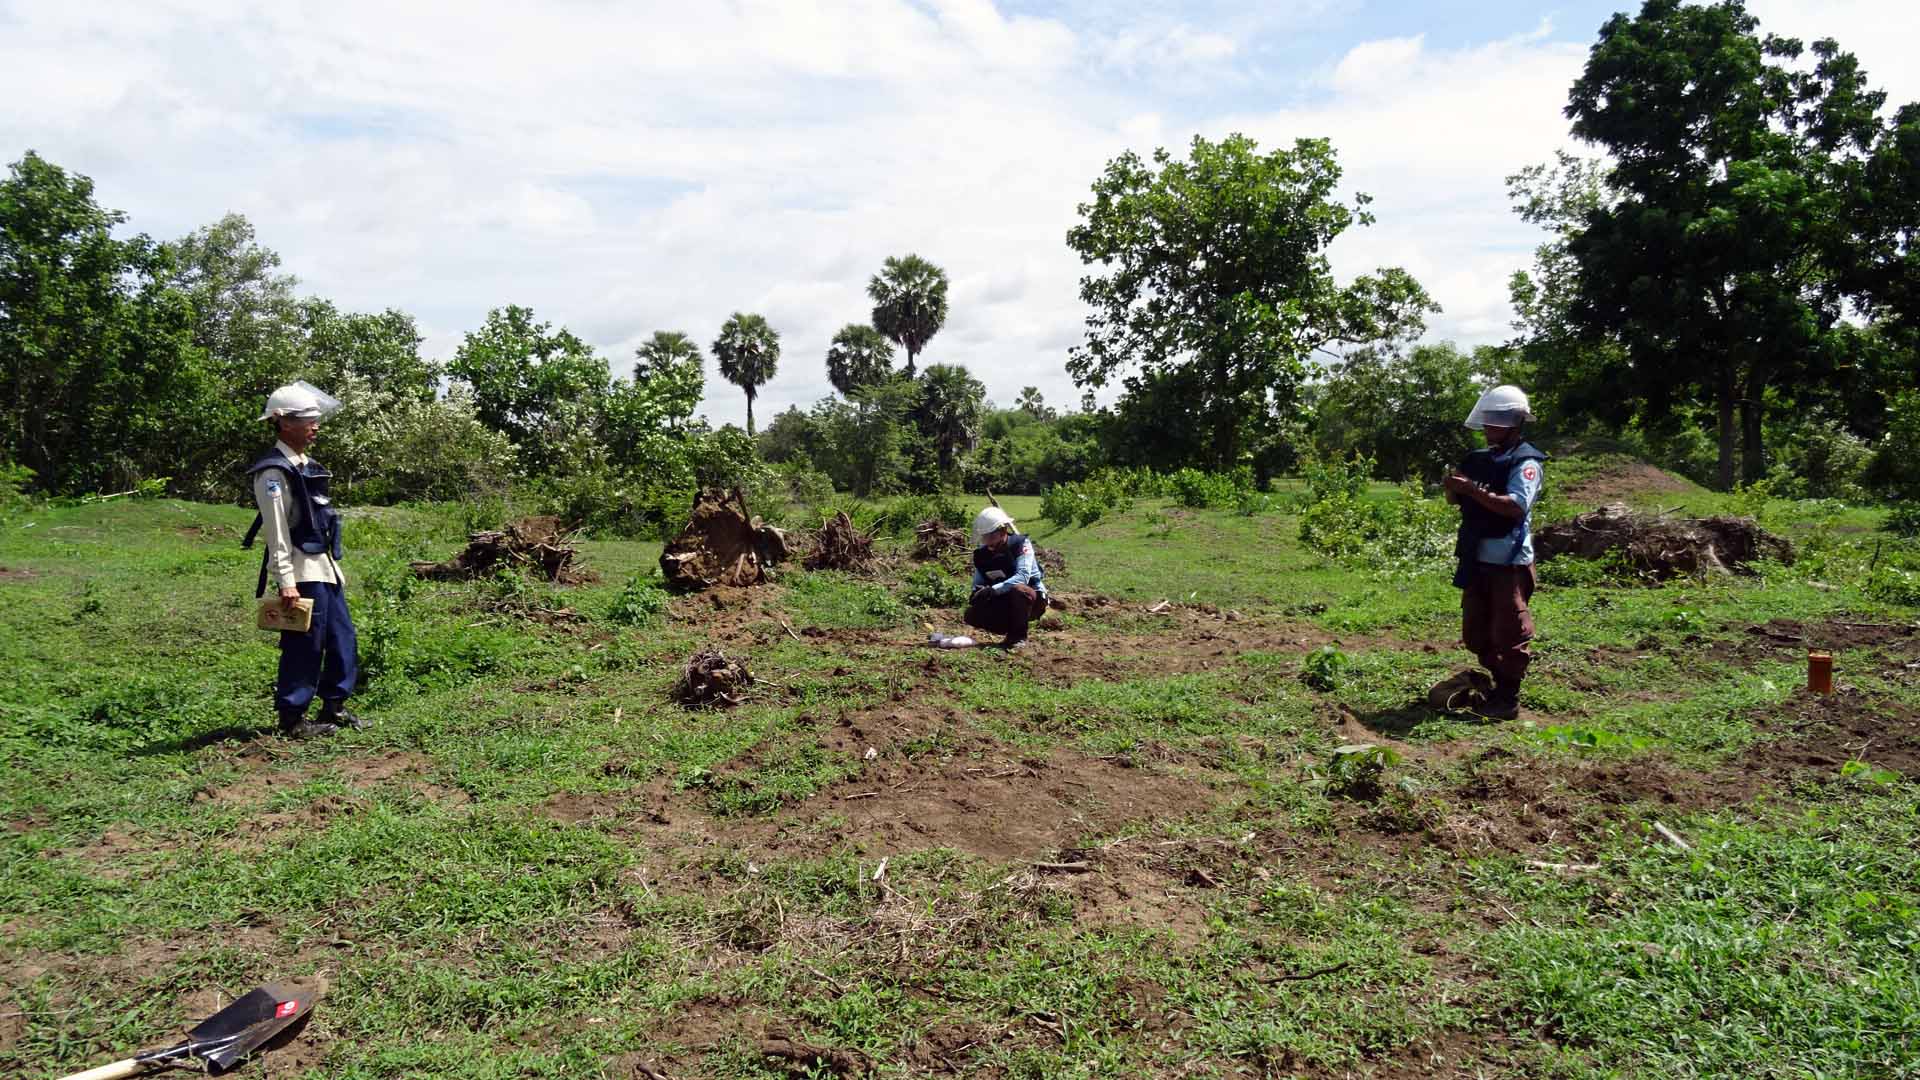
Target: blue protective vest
319 528
1006 561
1478 523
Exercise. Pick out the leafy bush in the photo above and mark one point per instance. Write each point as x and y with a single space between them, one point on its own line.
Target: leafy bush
642 601
1823 460
1903 519
388 447
14 480
1407 535
1894 471
900 516
1336 477
1355 771
1325 667
1083 503
1199 490
930 588
1576 737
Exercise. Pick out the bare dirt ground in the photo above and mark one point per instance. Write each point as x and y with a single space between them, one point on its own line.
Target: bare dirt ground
1626 481
1061 818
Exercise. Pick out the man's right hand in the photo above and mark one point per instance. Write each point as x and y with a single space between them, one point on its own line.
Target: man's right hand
288 596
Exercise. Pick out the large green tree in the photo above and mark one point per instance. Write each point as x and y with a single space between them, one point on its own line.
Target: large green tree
1211 272
949 411
670 366
1568 373
245 312
859 356
748 351
1401 408
100 381
909 303
542 387
1717 268
383 349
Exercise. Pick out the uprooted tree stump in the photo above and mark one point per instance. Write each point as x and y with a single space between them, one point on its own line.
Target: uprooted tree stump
932 540
710 679
721 545
536 544
1661 546
840 545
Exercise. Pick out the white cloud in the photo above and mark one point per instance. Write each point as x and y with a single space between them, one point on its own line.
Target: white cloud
622 168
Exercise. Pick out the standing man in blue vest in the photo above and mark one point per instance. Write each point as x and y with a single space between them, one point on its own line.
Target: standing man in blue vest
1495 489
302 531
1009 588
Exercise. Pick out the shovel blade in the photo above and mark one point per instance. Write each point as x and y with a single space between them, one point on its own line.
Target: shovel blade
228 1036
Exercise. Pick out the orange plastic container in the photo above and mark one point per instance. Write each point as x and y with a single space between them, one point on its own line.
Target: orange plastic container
1820 672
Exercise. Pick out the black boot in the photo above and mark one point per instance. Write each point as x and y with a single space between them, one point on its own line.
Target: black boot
295 725
1503 703
335 713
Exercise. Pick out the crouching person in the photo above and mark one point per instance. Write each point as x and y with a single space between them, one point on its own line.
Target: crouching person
1009 590
302 531
1495 489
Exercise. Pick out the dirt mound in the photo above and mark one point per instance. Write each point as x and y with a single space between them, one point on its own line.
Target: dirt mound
711 679
1661 546
721 545
1622 480
1822 732
932 540
536 544
841 546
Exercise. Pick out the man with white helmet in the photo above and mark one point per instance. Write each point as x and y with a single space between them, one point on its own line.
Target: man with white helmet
1009 588
302 530
1496 488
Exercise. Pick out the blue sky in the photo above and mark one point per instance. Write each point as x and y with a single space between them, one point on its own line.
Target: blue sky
627 167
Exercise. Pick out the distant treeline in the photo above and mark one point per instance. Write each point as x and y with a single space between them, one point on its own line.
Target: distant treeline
1732 290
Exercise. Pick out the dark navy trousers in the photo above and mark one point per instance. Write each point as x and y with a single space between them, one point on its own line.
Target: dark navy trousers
325 660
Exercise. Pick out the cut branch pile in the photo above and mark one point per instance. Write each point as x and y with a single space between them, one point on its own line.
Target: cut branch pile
710 679
536 545
1661 546
841 546
721 545
932 540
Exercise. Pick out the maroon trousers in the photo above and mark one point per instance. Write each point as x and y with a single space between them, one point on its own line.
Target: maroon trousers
1496 625
1006 613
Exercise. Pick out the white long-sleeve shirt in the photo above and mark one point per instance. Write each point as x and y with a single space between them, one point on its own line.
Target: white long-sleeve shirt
280 512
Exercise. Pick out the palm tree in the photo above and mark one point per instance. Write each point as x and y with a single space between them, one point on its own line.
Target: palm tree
748 350
949 409
859 356
670 365
909 303
1031 403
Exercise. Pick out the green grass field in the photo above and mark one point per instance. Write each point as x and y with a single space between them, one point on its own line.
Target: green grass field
1128 851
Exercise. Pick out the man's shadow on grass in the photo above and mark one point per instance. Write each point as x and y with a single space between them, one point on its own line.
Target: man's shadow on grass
1398 723
187 744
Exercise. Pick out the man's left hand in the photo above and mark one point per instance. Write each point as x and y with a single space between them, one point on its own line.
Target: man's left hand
1458 484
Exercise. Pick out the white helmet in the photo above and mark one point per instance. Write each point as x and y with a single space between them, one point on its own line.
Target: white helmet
1502 406
302 401
992 519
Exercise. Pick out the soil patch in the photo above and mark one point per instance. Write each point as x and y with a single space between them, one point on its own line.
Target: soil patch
1628 480
929 781
1820 733
1503 801
11 573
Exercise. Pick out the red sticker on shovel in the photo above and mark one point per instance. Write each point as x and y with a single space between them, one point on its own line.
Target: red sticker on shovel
286 1009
